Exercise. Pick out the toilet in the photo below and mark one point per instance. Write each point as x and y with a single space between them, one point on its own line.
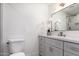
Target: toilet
16 47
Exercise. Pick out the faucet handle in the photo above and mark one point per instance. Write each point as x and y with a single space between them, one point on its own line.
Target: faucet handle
61 34
64 35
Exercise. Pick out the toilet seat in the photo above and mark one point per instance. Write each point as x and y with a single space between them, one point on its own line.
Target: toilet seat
18 54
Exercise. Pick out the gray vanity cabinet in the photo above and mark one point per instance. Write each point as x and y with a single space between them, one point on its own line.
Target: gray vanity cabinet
53 51
54 47
42 45
71 49
50 47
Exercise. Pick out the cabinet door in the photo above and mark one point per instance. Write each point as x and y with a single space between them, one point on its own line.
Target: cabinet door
69 54
71 47
54 42
53 51
50 47
42 46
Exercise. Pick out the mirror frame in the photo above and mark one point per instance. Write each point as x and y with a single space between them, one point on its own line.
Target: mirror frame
67 24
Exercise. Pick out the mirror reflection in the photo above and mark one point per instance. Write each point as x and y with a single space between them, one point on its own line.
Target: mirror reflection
65 19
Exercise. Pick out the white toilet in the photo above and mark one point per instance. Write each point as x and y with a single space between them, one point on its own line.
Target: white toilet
16 47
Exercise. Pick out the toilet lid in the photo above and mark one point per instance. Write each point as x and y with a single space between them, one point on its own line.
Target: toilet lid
18 54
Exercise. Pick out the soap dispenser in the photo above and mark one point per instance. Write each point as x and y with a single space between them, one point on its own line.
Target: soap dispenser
49 32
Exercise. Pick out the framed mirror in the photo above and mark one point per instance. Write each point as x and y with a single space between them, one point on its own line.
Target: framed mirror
66 18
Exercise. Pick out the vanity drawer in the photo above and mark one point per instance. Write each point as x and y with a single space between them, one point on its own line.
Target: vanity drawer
71 47
55 43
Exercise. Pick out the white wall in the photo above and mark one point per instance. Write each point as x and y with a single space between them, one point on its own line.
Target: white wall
24 21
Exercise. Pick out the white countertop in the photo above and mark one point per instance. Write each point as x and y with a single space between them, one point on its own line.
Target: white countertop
69 39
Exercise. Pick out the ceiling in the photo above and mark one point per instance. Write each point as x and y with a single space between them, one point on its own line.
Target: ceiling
72 9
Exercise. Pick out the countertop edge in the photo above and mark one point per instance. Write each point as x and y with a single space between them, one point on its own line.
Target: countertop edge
61 38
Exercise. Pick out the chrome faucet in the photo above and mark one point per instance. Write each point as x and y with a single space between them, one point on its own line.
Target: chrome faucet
61 34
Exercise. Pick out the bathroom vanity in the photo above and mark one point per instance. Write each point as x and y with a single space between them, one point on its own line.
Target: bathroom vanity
66 19
58 46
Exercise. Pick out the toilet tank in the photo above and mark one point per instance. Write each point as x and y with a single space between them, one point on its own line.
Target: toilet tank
16 45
